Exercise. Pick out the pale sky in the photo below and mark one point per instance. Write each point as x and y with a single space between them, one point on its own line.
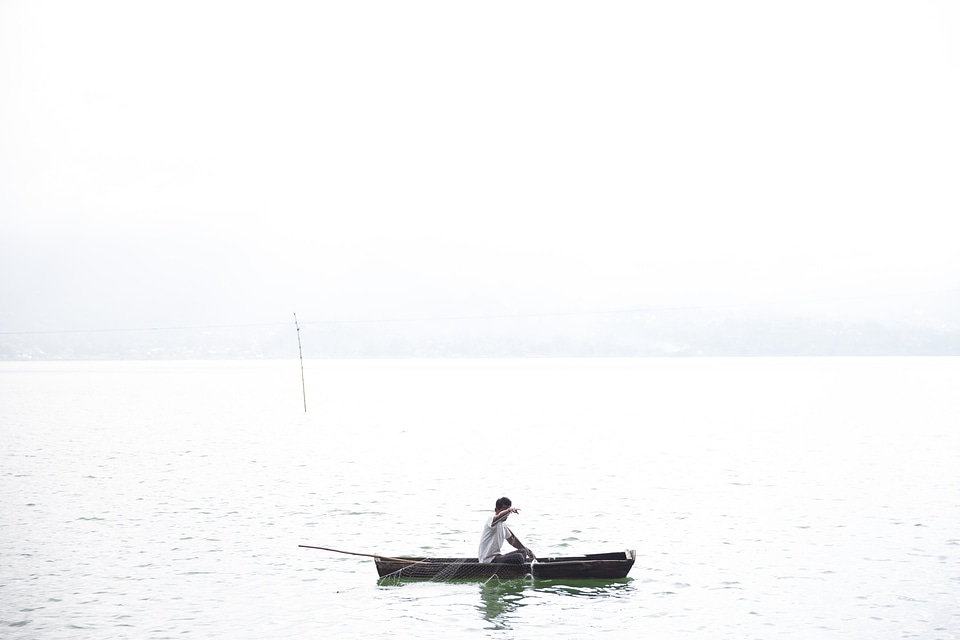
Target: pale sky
219 162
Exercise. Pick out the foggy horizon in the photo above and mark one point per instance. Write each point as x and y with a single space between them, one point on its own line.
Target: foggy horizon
921 329
742 178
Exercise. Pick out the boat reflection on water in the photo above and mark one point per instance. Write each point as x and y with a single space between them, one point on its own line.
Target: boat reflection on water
501 598
498 599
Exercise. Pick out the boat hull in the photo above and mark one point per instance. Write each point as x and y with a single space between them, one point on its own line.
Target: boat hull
602 566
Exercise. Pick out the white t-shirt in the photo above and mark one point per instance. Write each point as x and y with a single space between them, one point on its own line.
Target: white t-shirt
492 538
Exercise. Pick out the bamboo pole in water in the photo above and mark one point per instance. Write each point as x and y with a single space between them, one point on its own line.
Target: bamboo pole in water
303 381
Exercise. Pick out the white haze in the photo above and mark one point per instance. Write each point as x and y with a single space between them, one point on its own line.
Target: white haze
228 162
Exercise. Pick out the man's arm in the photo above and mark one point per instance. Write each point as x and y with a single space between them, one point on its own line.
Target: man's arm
500 517
515 542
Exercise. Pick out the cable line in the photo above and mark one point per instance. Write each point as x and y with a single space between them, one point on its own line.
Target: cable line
451 318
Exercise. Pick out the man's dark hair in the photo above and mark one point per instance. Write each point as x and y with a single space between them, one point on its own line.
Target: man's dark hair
504 502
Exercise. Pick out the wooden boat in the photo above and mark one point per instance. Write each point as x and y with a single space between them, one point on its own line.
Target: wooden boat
592 566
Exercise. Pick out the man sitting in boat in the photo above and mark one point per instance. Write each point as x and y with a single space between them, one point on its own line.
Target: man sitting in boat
495 531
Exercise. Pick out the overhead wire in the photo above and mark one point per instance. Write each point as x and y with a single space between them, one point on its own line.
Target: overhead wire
500 316
446 318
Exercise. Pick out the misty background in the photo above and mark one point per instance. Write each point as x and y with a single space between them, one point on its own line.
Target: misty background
507 179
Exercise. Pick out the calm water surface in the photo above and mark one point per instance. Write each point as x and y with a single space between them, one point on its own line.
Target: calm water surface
766 498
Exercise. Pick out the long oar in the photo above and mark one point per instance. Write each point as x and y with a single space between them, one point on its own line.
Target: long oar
366 555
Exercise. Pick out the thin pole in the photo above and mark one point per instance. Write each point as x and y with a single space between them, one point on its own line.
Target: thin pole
365 555
303 381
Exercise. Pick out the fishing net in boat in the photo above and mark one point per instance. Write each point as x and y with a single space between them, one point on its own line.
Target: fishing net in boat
446 569
438 569
452 570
